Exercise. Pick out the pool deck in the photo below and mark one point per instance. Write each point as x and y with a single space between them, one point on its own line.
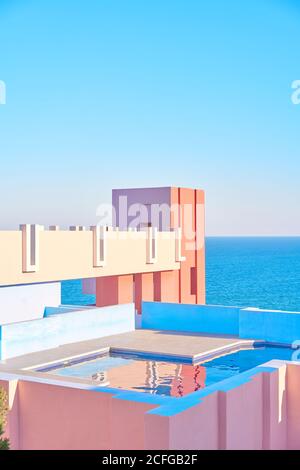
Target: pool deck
190 346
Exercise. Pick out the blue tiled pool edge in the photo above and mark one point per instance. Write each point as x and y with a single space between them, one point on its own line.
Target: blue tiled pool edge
169 406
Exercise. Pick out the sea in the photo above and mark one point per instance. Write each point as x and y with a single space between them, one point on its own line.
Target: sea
262 272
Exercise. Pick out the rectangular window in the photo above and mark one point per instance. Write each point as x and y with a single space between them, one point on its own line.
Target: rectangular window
193 281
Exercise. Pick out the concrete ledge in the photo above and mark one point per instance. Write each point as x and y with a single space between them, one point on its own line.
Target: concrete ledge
64 328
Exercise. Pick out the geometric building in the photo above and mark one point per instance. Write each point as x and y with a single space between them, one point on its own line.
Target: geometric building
176 208
146 364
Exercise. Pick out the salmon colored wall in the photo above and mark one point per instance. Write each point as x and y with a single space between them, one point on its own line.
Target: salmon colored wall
125 289
114 290
189 214
166 286
143 289
200 252
187 219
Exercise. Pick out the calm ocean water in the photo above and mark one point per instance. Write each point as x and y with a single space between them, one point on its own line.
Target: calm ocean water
258 272
254 272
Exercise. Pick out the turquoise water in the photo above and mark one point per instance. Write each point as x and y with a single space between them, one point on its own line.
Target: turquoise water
256 272
169 378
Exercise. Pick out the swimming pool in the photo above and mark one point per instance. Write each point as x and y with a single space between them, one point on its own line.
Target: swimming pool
163 377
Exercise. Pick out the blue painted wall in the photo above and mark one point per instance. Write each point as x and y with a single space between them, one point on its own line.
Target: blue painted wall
191 318
64 325
267 325
270 325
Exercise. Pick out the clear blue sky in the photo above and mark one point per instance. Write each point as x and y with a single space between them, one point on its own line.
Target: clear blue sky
121 93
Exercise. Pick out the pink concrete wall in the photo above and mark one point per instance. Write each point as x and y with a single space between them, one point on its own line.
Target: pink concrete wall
241 417
197 427
191 217
54 417
293 406
157 432
185 208
166 286
144 289
275 409
89 286
200 252
251 416
261 413
12 425
114 290
127 424
186 201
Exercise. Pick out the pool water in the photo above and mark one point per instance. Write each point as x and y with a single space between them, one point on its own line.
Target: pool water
168 378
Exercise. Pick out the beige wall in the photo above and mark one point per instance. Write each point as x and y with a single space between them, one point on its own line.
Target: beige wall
69 255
